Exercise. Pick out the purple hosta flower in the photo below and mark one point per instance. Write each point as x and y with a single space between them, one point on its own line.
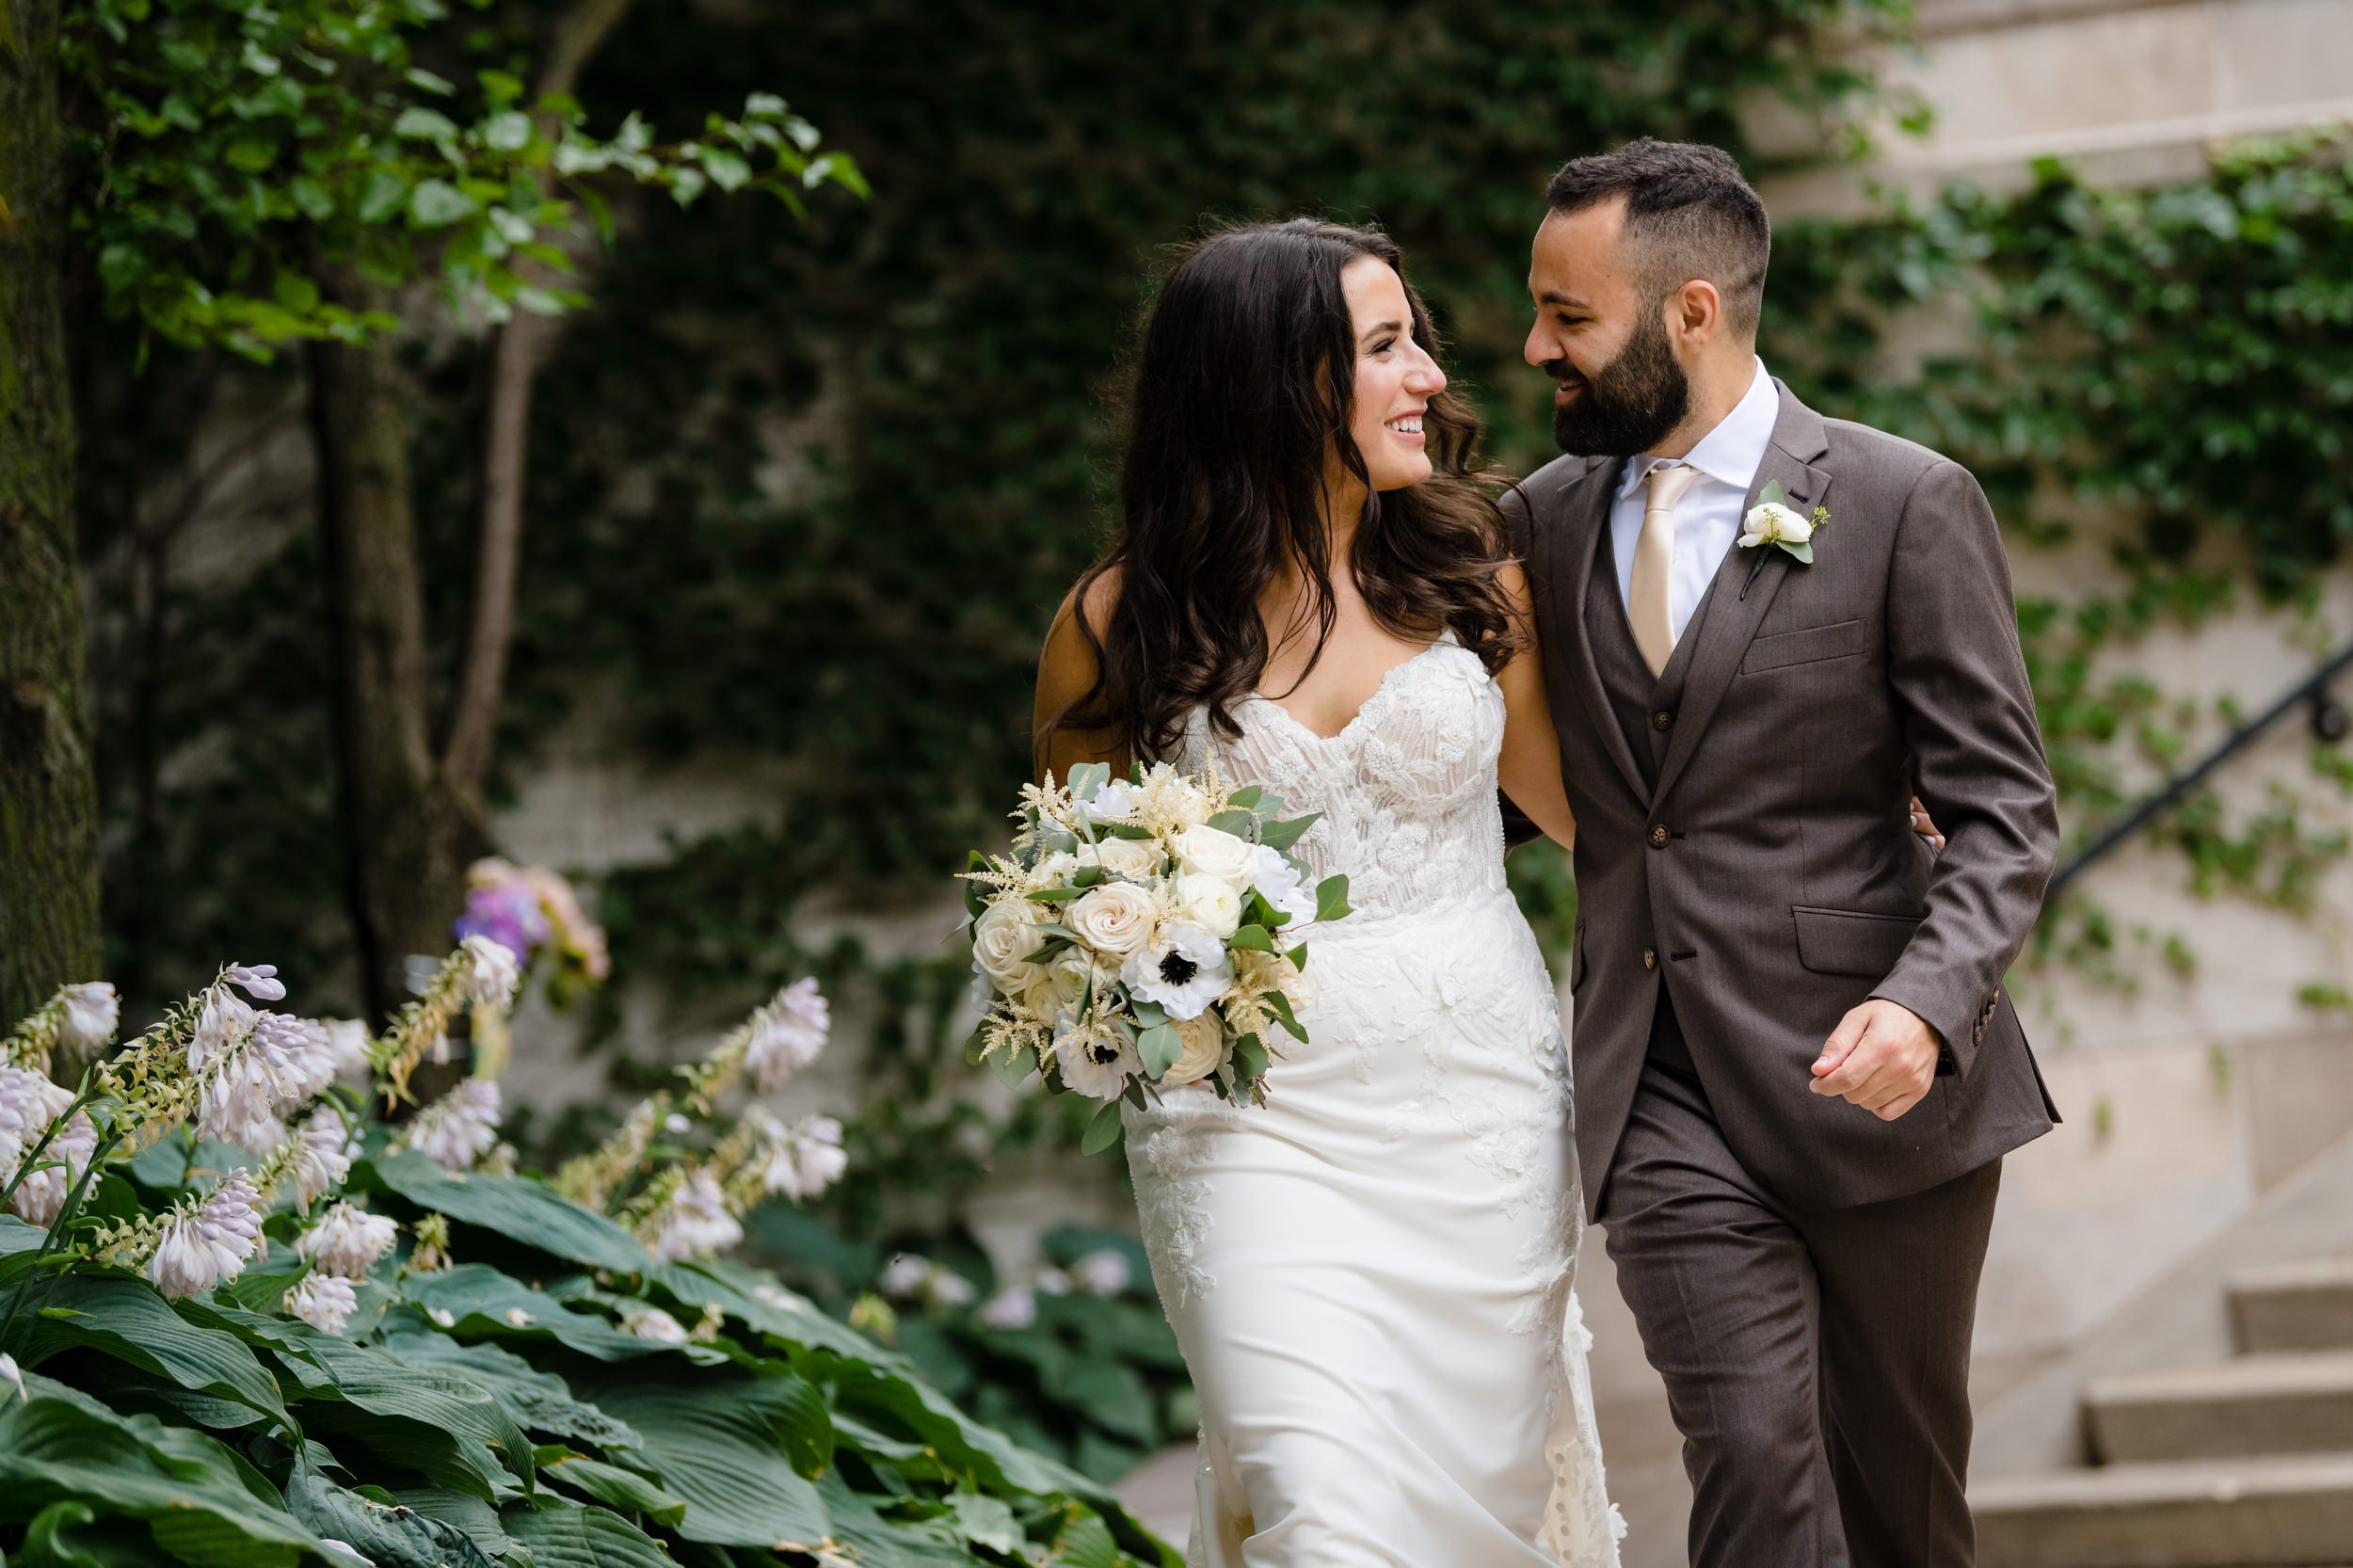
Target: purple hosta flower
201 1249
693 1224
348 1038
805 1159
493 976
283 1063
220 1024
1184 969
92 1012
29 1102
507 912
1011 1310
460 1127
1103 1272
651 1322
326 1301
912 1274
348 1240
1052 1282
325 1147
41 1198
258 981
788 1034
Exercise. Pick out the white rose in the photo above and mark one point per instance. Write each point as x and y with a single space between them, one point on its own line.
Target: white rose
1774 523
1065 987
1204 1053
1208 901
1117 917
1002 939
1207 851
1137 857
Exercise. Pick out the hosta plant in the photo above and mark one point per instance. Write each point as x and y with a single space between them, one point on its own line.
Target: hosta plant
243 1323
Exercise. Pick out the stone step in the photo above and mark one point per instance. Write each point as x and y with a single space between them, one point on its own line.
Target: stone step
2256 1404
2288 1511
2294 1306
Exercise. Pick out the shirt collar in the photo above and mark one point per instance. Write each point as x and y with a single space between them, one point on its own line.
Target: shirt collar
1730 454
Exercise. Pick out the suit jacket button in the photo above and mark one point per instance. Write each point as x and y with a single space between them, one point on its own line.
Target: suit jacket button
1662 720
1659 836
1650 958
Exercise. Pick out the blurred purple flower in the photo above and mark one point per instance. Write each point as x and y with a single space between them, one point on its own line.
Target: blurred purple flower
509 914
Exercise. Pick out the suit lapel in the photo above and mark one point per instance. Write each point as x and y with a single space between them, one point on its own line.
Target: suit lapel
1733 616
1587 516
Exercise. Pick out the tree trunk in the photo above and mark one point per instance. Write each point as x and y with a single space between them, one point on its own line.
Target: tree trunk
407 834
49 930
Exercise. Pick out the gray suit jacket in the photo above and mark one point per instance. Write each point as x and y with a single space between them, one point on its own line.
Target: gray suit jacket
1762 867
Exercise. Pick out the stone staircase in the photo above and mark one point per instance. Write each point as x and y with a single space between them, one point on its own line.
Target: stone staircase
2244 1464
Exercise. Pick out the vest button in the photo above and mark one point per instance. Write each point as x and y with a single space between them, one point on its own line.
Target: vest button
1659 836
1662 720
1650 958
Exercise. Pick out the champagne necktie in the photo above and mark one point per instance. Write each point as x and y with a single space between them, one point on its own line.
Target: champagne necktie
1647 603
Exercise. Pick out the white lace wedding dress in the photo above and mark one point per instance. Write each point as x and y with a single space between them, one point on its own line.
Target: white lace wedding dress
1371 1274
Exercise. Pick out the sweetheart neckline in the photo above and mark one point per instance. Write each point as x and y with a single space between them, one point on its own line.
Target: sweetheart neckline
1444 639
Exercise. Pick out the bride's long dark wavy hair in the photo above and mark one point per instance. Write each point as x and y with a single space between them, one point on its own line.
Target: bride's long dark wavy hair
1243 385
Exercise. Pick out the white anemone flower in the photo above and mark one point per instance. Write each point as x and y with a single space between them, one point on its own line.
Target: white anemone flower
693 1224
201 1249
788 1034
1009 1310
92 1012
460 1127
493 976
1103 1272
348 1240
326 1301
1184 969
1096 1066
1279 883
806 1159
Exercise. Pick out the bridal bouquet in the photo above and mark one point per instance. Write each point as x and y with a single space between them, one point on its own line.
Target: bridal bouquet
1142 934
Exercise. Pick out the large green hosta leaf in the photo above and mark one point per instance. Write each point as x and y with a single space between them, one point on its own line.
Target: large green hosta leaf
72 1535
539 1401
479 1301
934 1542
435 1420
125 1318
564 1534
390 1537
613 1485
525 1211
756 1299
203 1504
721 1443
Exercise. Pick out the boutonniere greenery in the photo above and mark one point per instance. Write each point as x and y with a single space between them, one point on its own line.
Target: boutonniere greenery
1771 522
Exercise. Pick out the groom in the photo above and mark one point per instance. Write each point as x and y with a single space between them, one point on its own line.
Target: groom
1796 1071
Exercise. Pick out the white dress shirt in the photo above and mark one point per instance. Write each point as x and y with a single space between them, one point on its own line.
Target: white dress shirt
1707 518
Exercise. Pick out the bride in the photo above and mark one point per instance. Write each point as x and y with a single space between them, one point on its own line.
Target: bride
1370 1276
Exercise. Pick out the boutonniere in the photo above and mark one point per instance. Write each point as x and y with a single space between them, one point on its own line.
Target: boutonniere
1771 523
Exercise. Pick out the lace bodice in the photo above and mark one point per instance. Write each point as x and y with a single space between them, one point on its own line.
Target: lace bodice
1407 792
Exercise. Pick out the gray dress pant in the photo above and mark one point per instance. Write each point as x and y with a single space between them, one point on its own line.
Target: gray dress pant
1817 1364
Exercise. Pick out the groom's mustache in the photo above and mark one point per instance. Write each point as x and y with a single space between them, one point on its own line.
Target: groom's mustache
1562 373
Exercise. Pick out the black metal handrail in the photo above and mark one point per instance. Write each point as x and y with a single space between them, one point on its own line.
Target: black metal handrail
2313 688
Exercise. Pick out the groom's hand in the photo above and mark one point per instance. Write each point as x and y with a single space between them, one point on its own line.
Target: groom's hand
1882 1057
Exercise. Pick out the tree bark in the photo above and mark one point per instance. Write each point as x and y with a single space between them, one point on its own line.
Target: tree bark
49 930
506 447
407 834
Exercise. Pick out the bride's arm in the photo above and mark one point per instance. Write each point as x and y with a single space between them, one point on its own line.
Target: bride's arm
1529 768
1066 673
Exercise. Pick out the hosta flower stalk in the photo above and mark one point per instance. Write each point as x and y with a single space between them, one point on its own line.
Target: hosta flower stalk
457 1129
482 973
78 1019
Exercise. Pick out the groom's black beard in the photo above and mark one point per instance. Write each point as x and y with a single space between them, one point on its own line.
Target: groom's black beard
1632 404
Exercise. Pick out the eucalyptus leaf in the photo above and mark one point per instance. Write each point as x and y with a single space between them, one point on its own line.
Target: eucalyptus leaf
1103 1132
1159 1046
1282 835
1332 899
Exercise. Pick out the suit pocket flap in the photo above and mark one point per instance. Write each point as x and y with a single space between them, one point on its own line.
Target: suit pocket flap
1811 646
1845 941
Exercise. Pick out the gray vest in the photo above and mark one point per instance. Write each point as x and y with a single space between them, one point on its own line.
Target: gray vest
1645 706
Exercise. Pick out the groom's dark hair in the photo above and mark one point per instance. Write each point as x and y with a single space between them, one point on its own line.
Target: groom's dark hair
1688 213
